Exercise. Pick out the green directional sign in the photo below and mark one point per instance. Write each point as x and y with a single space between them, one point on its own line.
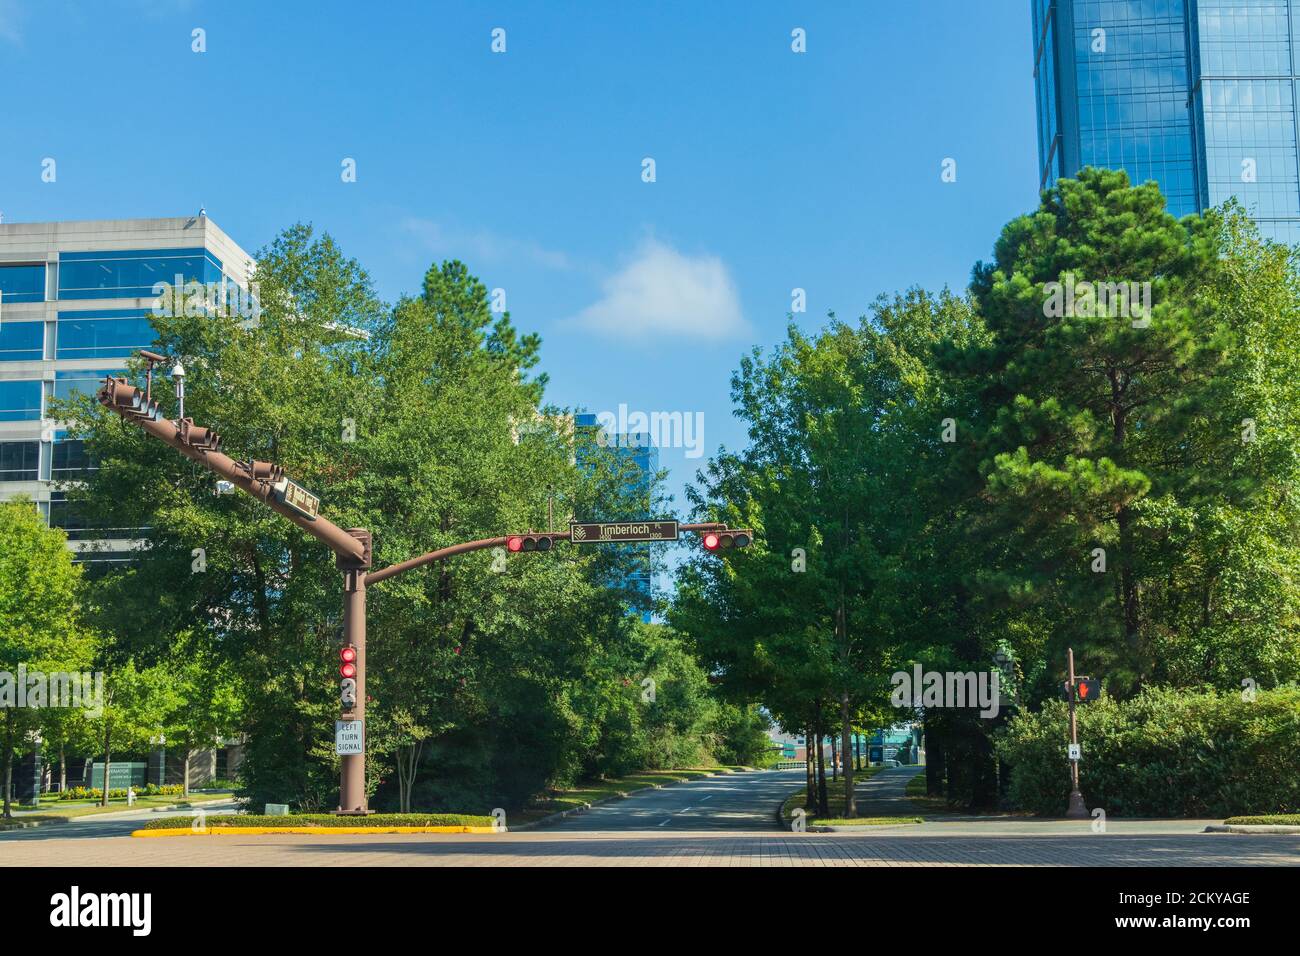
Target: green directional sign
616 532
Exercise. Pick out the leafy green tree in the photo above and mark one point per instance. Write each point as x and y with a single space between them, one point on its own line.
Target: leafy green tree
42 627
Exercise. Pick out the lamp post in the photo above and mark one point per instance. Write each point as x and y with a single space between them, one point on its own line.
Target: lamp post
178 376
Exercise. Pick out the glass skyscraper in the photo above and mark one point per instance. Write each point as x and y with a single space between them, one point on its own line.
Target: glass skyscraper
1199 95
637 459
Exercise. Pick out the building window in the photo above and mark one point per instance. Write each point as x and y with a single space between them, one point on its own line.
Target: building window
85 381
20 401
103 333
127 275
22 283
19 460
22 341
70 460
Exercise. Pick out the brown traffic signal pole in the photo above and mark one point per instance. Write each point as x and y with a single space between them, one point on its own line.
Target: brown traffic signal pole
1077 810
353 548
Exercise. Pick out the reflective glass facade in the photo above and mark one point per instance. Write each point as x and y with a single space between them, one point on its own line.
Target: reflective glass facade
20 401
1199 95
638 461
22 283
103 333
22 341
131 274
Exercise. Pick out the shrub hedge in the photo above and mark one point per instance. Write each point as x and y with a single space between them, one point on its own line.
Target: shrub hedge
1164 753
93 793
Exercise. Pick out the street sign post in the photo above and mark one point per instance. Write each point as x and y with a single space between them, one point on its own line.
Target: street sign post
617 532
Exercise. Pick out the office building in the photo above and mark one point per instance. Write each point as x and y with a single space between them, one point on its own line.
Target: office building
74 304
1199 95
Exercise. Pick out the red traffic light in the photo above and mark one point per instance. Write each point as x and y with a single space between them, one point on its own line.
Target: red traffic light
348 670
529 542
348 655
722 540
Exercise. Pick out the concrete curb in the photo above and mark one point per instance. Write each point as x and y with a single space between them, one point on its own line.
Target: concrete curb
584 807
1251 828
305 831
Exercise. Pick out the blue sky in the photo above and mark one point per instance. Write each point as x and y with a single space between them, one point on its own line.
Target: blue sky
774 170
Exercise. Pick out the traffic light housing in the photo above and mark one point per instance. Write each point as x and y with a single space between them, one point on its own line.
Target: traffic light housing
725 540
532 542
264 471
202 439
348 673
1087 688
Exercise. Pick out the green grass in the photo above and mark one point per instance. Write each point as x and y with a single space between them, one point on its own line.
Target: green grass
325 820
863 821
916 786
60 810
1268 819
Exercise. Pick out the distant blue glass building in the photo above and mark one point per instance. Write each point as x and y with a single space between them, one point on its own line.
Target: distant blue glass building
637 454
1199 95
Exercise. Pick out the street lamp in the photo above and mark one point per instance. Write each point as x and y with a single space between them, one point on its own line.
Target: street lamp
178 376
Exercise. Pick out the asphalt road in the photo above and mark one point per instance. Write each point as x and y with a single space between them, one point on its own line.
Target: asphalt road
719 821
737 801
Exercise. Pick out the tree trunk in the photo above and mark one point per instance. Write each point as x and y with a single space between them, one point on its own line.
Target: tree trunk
108 736
835 763
936 761
809 773
823 804
846 730
63 769
185 773
9 761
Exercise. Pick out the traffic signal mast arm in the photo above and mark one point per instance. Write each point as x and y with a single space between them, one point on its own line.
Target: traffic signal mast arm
123 398
374 577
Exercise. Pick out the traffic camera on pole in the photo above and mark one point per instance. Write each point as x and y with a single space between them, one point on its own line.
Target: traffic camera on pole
725 540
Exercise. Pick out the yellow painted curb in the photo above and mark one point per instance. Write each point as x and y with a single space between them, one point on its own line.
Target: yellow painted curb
307 831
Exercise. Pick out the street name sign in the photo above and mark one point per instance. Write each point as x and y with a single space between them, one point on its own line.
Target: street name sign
614 532
349 737
298 498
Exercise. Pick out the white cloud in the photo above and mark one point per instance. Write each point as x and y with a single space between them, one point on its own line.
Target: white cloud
662 293
476 247
10 14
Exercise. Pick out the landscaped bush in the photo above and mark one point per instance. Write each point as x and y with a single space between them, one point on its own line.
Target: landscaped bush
1165 753
327 820
148 790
